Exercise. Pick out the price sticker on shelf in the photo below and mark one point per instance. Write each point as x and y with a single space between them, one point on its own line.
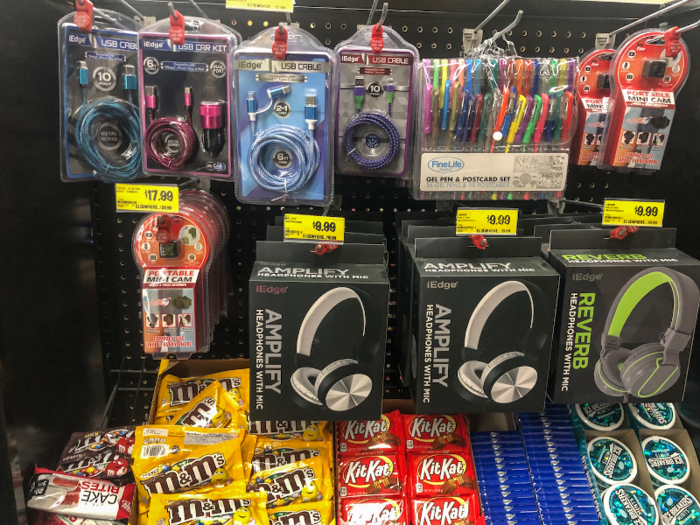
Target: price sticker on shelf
148 197
314 228
487 221
630 212
283 6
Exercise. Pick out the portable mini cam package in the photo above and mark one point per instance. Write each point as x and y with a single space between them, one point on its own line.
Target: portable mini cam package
186 88
627 315
100 126
483 322
378 87
285 103
318 332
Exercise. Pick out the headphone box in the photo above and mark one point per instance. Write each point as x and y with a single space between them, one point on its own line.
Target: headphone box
318 328
482 325
627 314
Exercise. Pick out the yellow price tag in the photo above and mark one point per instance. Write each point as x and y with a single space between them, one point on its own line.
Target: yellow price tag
148 197
284 6
630 212
487 221
314 228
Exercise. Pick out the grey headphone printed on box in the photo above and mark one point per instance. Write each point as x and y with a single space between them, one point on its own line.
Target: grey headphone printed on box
512 375
345 383
652 368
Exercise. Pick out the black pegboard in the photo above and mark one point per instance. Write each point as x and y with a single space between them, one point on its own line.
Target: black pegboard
559 29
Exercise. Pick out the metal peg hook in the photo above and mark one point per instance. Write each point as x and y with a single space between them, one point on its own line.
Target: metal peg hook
649 17
493 13
289 19
199 10
371 12
130 8
688 27
172 10
510 26
109 19
385 11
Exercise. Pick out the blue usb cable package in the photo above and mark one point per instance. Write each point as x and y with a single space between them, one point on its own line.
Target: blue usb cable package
286 86
100 133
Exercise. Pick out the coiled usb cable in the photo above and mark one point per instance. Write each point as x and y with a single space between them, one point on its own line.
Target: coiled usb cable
159 129
121 113
299 143
376 120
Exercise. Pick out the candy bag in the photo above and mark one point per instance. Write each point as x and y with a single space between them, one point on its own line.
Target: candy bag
213 407
314 513
301 482
378 475
441 475
435 433
270 453
374 511
306 430
216 507
371 437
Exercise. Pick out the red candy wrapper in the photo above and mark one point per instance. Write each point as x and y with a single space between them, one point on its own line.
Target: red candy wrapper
78 496
371 437
375 475
440 474
104 454
446 510
435 433
374 511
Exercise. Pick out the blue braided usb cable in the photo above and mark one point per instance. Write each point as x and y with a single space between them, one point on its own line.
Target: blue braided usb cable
299 143
124 115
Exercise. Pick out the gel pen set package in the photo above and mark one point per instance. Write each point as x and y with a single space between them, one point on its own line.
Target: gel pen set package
184 277
186 88
286 88
100 125
379 74
476 110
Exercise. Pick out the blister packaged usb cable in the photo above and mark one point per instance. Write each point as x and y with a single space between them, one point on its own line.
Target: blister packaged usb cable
100 130
186 88
286 84
376 103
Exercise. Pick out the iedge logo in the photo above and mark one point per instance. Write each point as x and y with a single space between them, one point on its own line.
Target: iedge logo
445 165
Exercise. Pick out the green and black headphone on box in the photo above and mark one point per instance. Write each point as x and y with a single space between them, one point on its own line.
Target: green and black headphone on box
652 368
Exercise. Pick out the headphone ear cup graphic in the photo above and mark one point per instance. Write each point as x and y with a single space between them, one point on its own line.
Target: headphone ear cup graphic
642 373
607 372
508 377
343 385
468 378
304 381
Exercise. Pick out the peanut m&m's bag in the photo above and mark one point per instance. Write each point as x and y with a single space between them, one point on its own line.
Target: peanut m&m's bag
213 407
315 513
208 509
305 481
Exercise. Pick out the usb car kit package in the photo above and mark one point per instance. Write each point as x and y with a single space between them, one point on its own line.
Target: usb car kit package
627 314
464 298
318 326
184 277
186 88
100 125
648 71
378 86
286 86
476 110
593 90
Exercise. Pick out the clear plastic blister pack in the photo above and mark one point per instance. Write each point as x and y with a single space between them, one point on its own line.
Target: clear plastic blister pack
376 104
286 86
100 125
184 278
494 128
186 88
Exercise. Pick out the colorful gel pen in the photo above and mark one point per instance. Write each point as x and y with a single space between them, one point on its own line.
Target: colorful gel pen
477 118
525 120
552 116
460 68
519 113
461 113
428 116
540 122
443 79
468 74
498 123
487 114
510 113
445 113
476 81
566 126
570 79
454 105
558 123
519 76
471 114
535 78
533 120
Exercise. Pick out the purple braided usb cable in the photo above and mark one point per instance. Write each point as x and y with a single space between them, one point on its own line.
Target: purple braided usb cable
377 120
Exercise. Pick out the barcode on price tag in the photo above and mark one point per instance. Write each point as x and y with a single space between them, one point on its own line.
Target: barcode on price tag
148 197
630 212
487 221
314 228
154 451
